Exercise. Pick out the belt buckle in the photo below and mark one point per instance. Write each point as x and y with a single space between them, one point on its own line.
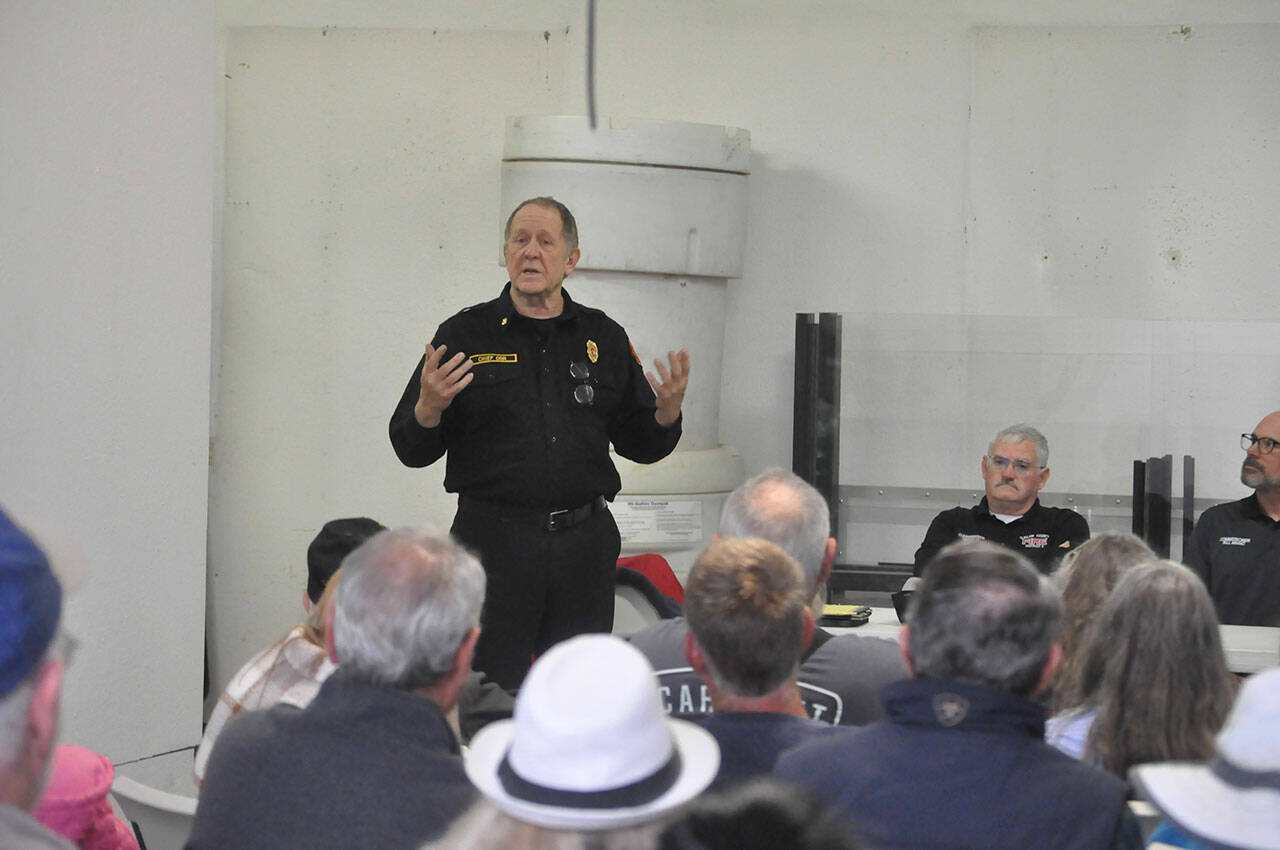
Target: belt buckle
555 517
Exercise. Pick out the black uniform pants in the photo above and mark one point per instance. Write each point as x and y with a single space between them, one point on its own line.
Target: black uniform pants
542 586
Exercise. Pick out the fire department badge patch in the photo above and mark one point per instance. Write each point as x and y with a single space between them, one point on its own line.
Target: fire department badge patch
593 351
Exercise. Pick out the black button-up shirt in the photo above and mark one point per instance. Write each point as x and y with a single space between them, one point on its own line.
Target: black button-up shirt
516 434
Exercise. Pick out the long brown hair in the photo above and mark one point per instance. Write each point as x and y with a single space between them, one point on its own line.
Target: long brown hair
1086 578
1155 671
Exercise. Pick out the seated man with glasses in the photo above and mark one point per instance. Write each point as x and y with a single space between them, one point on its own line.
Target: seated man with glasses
1014 470
1235 547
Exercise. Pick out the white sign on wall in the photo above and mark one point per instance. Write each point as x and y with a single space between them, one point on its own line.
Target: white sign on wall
658 522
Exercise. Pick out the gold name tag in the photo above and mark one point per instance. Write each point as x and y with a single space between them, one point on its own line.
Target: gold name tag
493 358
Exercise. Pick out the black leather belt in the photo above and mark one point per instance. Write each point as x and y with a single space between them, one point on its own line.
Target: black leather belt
547 520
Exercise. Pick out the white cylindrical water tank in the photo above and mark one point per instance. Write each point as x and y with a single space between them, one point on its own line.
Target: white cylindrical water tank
661 208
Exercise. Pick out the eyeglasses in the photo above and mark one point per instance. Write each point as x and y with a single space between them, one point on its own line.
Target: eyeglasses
583 392
1020 467
1265 445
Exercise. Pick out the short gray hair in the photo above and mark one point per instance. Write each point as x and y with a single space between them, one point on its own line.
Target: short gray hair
407 598
745 603
1018 433
783 508
982 615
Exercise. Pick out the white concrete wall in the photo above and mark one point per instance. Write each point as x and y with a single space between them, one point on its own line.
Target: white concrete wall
106 140
358 217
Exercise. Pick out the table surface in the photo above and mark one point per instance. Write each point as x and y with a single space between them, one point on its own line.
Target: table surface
1248 648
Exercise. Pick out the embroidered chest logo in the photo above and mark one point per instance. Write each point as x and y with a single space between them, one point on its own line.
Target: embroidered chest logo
593 351
964 536
1234 541
1034 541
493 358
950 709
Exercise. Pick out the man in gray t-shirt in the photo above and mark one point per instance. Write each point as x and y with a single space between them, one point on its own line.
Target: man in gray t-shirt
840 675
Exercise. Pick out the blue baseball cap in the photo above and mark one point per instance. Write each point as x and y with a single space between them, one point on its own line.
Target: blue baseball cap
30 605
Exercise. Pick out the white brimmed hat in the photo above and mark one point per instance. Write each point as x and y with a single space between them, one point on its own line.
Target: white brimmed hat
1234 799
589 746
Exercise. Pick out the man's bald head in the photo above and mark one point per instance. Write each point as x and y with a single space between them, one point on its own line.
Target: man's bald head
783 508
1261 468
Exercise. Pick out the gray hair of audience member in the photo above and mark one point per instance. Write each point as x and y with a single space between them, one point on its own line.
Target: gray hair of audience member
407 598
745 604
568 224
1018 433
781 507
1086 578
762 814
1155 670
982 615
486 827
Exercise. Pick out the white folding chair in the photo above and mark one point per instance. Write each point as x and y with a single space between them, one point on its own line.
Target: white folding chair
161 820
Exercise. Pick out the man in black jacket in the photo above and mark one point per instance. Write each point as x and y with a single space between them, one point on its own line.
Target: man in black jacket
371 762
961 761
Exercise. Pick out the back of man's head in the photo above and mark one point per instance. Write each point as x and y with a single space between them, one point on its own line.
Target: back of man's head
745 606
783 508
983 615
30 607
407 598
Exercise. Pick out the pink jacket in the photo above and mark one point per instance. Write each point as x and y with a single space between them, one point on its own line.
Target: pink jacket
75 803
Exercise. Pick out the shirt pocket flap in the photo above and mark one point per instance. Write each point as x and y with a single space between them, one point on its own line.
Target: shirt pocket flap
489 372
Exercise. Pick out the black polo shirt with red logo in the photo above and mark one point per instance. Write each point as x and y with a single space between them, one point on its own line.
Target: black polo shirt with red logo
1042 534
1235 548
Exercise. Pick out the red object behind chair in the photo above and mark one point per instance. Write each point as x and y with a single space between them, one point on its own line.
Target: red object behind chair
656 569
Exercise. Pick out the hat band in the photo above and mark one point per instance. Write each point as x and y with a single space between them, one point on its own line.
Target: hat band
1241 778
635 794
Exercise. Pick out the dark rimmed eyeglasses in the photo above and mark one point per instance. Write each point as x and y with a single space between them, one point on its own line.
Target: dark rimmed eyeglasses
1265 445
583 391
1019 466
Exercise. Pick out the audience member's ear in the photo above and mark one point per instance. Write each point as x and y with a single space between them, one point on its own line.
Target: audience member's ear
904 646
328 634
1050 671
466 653
808 630
693 654
42 724
828 560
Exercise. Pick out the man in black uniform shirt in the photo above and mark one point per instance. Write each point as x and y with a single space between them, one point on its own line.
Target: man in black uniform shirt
525 393
1015 469
1235 547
